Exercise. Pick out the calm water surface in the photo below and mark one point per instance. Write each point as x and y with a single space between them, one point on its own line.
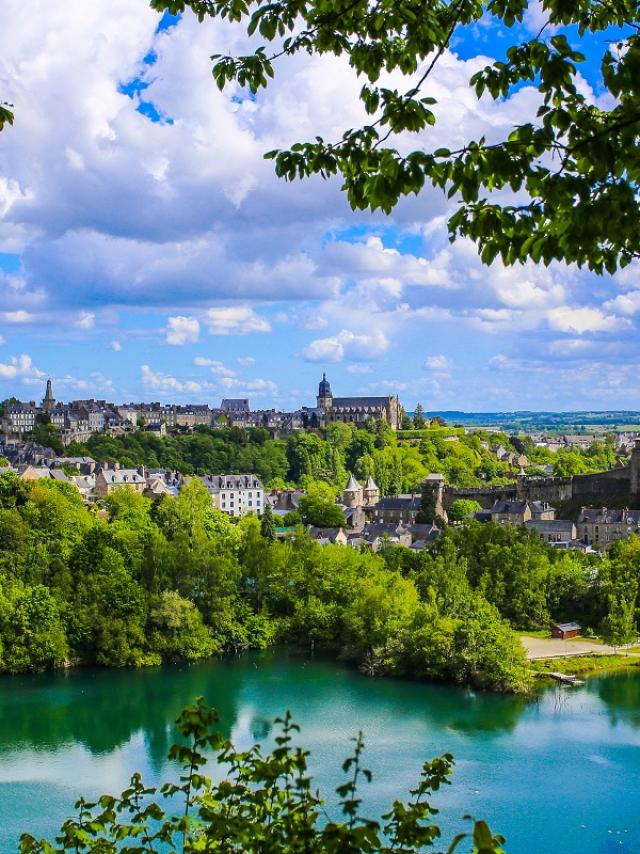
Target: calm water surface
558 774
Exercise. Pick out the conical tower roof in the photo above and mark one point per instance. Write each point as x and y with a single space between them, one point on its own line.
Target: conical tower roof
353 485
371 484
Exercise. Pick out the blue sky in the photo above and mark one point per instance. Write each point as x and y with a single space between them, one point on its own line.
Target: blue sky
147 251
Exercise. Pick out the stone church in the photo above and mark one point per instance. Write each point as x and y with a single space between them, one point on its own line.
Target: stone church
353 410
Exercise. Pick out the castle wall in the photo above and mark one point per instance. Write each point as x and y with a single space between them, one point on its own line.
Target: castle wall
597 487
484 495
591 489
635 470
546 489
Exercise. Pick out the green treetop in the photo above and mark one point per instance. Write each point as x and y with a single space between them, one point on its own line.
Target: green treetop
267 523
574 163
418 417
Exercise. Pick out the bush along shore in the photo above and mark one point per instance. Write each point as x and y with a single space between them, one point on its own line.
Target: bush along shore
139 582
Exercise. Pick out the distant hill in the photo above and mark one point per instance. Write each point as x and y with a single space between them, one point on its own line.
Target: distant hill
527 421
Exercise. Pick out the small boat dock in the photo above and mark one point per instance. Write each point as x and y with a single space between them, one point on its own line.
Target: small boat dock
563 678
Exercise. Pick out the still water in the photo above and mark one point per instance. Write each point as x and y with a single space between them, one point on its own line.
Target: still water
557 774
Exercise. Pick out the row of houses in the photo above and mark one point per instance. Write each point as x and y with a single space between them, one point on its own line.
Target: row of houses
376 535
595 528
236 495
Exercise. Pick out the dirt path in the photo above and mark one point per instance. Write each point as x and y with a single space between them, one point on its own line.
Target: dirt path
553 648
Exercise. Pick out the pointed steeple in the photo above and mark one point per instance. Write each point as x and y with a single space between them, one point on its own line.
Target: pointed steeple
370 485
49 400
353 485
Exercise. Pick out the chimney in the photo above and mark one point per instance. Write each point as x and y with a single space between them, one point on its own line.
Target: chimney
116 466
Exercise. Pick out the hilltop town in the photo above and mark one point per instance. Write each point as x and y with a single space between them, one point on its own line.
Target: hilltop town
77 420
599 507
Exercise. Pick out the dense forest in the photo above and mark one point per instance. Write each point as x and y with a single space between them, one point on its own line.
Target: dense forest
137 583
397 464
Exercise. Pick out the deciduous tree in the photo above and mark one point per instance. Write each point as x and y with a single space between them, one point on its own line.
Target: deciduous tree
572 161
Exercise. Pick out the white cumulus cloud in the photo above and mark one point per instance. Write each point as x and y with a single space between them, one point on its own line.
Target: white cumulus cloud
182 330
20 367
165 383
438 364
235 320
347 344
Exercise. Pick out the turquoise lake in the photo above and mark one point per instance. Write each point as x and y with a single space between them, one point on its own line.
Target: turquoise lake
559 773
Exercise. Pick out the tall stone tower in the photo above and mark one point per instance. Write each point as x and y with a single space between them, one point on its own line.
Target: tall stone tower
371 493
432 491
635 469
49 400
353 493
325 398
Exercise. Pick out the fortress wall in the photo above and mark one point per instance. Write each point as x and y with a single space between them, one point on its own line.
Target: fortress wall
635 470
484 495
591 489
546 489
595 488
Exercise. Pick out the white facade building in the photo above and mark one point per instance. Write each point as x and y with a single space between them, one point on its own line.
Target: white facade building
235 494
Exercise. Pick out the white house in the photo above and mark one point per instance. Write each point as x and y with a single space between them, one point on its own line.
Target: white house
235 494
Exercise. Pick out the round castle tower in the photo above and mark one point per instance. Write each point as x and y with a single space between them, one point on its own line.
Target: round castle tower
353 495
371 493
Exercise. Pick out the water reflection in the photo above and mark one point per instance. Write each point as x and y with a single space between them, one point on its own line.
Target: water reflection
620 692
101 709
64 734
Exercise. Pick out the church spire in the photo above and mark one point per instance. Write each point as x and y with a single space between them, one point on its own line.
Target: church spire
49 400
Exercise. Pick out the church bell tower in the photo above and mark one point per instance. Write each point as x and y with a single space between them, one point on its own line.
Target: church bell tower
49 400
325 398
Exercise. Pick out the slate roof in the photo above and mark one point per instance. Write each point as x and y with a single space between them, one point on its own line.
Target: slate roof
122 476
549 526
399 502
381 529
606 516
353 485
520 506
359 402
235 404
217 482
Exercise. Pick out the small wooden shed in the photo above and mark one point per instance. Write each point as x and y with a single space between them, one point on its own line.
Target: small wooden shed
564 631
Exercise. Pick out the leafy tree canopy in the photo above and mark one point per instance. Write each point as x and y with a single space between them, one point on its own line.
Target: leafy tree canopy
573 164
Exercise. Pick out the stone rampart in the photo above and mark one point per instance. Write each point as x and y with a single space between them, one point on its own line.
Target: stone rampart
484 495
545 489
588 488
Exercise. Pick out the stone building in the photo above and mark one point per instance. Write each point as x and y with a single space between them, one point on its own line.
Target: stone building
397 508
599 527
353 410
554 531
110 479
520 512
235 494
